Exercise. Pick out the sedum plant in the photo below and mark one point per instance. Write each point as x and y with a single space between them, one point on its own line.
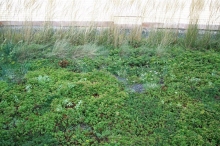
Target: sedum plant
58 107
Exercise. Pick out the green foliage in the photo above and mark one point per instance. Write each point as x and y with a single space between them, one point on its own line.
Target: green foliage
61 107
94 100
162 37
191 36
134 38
201 39
214 42
6 51
25 51
113 36
106 37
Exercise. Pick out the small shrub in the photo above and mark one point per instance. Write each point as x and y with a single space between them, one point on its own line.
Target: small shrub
7 52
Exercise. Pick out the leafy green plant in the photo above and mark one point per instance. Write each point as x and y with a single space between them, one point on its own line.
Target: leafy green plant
57 104
7 52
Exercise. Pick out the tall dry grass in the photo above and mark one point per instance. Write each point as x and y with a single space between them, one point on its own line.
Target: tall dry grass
166 12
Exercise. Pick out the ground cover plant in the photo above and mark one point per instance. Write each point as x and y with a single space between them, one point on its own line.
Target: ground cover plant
109 88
